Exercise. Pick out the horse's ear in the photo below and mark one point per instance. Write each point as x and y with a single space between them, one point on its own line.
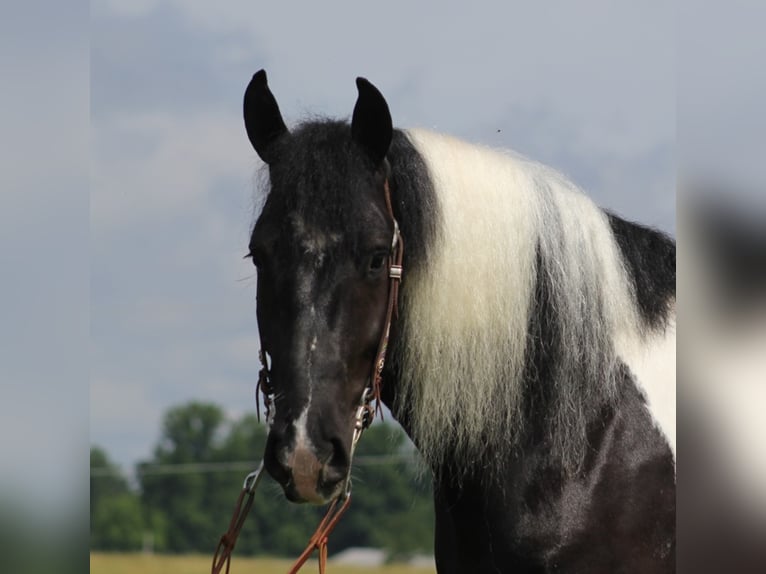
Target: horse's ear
263 121
371 125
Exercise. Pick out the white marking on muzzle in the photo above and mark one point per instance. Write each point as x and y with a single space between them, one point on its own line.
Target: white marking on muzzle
306 467
302 440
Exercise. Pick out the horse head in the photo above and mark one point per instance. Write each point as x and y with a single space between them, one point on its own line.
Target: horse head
321 246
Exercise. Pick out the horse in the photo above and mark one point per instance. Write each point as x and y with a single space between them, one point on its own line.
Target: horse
531 356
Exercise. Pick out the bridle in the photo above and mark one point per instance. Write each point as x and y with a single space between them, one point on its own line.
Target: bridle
363 417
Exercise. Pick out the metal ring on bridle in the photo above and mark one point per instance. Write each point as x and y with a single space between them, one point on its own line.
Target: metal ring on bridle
252 479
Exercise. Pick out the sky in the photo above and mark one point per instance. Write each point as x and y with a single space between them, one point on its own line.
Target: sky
589 90
127 182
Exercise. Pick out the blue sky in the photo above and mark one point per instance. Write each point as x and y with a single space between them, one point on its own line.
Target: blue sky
589 90
126 180
126 187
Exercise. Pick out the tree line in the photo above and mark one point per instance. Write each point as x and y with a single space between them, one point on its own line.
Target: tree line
185 493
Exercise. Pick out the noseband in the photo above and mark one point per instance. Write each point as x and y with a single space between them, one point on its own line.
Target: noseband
364 415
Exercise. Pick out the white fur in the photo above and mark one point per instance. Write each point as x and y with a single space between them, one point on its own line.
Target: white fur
313 241
468 311
654 366
302 440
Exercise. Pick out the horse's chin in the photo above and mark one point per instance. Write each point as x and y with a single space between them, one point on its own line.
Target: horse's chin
315 498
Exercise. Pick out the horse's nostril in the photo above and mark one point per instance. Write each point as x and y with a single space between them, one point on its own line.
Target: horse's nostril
276 469
336 468
275 459
332 475
339 456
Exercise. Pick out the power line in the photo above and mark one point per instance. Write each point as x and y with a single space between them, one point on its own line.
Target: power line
242 466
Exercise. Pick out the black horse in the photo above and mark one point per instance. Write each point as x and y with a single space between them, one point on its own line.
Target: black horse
531 360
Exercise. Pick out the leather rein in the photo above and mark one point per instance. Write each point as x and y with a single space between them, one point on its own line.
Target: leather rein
363 417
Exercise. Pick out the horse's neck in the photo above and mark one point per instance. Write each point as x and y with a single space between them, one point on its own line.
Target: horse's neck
534 457
536 516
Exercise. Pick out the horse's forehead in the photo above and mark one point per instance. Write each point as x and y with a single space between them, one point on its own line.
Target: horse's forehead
313 238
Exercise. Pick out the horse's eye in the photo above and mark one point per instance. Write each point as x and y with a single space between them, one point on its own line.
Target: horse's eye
377 261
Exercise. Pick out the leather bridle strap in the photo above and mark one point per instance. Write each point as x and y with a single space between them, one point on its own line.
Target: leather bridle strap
318 540
364 414
228 540
363 419
395 277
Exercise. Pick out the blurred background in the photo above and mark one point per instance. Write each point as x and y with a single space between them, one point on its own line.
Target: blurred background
44 286
721 148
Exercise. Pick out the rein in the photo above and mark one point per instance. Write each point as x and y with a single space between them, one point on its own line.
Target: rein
363 418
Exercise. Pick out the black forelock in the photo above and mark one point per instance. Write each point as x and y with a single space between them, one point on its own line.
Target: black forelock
319 172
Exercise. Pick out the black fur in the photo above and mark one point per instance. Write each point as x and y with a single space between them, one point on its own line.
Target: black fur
371 125
650 258
615 512
548 409
318 174
617 515
263 121
414 200
522 507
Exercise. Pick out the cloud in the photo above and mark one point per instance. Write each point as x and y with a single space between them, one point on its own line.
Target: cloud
588 89
124 411
610 66
155 60
172 300
160 166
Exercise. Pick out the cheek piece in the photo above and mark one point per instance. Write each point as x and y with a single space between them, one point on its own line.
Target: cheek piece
364 415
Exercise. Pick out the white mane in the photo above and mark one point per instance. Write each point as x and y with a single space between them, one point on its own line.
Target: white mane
468 312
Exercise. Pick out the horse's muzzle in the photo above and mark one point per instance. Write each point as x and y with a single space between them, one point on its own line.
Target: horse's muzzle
303 476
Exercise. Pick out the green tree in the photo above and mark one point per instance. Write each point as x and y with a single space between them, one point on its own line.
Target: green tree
190 436
116 521
190 484
275 526
392 505
106 480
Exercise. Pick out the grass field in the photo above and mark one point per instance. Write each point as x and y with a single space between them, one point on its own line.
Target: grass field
101 563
